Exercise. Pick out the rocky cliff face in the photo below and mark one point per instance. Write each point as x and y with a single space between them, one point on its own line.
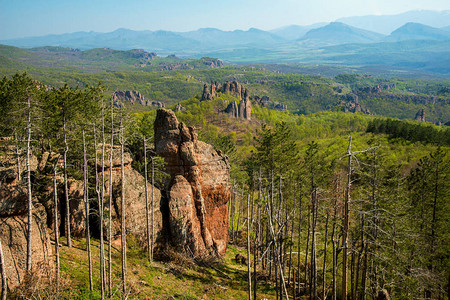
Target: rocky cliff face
121 98
234 88
14 223
243 110
420 115
198 189
136 218
265 101
351 104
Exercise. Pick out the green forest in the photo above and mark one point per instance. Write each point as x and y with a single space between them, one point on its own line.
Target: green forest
325 203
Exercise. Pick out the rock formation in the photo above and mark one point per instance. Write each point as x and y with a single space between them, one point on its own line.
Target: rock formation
243 110
232 109
234 88
198 189
265 101
120 98
179 108
13 225
135 198
351 104
420 115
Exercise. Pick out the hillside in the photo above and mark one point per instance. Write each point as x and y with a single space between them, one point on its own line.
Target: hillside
337 33
172 79
243 169
417 31
385 24
290 44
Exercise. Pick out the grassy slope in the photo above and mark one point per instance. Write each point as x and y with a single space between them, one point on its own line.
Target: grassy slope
121 70
171 280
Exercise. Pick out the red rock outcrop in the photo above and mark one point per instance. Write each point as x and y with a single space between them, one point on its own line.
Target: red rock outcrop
198 190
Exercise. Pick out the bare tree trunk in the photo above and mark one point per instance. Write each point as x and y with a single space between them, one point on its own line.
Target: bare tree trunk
249 269
257 238
358 264
86 207
299 238
152 244
29 195
364 275
102 212
324 295
232 206
255 251
333 241
291 243
307 250
313 278
123 209
111 145
277 257
66 188
147 208
3 274
346 222
352 271
19 171
100 193
56 227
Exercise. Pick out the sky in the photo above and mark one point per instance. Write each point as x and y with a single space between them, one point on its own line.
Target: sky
25 18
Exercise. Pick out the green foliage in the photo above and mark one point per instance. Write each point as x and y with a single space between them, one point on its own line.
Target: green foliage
415 132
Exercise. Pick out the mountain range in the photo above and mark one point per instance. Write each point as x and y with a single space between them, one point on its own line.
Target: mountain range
368 29
411 44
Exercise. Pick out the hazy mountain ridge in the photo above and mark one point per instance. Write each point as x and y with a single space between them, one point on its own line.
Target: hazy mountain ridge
385 24
364 29
337 33
417 31
355 46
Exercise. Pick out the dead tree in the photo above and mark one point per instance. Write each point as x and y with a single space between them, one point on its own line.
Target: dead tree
19 171
56 228
277 253
29 192
86 207
100 193
111 146
249 268
3 273
66 189
153 210
325 260
345 231
123 209
147 209
346 221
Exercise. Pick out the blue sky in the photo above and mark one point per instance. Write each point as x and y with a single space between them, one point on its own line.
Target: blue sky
22 18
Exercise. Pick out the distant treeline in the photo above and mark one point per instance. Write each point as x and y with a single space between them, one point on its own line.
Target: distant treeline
414 132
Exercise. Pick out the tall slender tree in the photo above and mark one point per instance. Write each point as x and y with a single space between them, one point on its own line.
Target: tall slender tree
3 273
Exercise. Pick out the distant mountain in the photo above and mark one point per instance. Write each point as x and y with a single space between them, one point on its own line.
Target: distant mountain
120 39
446 28
337 33
416 31
295 32
160 41
387 23
213 38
